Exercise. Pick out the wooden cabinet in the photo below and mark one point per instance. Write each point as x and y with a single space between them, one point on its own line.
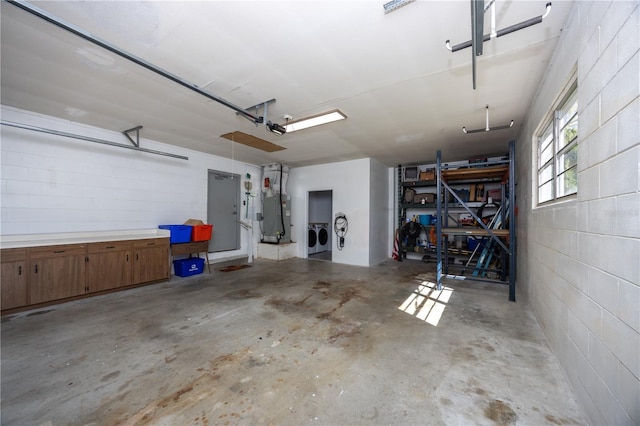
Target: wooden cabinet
43 274
14 278
109 265
56 272
150 260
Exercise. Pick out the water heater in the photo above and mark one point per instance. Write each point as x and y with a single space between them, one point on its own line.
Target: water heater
276 204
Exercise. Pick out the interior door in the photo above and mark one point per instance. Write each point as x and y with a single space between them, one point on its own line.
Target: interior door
223 211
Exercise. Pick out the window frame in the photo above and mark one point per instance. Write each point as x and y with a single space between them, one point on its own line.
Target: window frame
551 174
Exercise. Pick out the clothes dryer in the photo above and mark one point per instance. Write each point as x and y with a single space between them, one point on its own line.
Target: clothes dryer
322 231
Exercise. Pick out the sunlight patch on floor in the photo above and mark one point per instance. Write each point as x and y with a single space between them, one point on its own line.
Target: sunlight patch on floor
427 303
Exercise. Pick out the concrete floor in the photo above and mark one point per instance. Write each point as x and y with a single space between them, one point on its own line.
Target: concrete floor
285 343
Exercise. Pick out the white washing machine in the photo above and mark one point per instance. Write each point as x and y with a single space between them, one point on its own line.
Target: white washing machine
322 231
312 238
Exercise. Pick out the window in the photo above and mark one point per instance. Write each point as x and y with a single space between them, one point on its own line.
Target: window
558 151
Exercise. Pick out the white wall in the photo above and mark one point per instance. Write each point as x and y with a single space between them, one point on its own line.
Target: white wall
379 213
56 184
320 204
349 181
578 263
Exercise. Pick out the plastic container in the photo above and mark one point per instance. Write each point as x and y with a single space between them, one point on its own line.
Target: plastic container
201 232
472 243
425 219
189 266
179 233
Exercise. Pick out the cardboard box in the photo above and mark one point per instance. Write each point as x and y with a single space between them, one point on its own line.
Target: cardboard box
427 197
494 194
429 174
194 222
476 192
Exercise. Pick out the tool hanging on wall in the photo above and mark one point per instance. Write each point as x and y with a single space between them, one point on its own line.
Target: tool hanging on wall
247 186
478 9
487 128
340 226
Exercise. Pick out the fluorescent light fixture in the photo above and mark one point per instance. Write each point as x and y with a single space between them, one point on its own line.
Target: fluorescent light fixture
315 120
395 4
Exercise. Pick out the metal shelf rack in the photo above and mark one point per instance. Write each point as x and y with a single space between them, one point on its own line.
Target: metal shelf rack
500 240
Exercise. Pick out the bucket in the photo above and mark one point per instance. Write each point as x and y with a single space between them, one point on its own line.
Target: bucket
425 219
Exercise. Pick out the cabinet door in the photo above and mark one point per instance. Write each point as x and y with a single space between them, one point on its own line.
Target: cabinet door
151 260
109 265
56 272
109 270
13 278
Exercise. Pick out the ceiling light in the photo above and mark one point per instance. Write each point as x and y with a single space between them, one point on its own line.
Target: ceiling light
487 128
316 120
395 4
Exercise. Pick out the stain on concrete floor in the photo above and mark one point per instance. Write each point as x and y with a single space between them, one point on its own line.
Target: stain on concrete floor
288 342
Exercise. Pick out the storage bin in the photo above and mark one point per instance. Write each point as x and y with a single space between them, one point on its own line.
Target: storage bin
188 267
201 232
472 243
179 233
462 193
494 194
425 219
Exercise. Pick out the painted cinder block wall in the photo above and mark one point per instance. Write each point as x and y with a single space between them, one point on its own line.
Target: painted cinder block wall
52 184
579 259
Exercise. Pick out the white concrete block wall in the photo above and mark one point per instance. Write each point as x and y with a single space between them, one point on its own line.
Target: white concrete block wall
56 184
578 258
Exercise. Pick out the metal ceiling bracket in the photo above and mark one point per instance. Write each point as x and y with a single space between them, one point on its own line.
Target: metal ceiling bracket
40 13
477 39
395 5
88 139
261 118
487 128
135 143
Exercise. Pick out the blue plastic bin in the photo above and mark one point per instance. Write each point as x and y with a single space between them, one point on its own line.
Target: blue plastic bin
179 233
425 219
188 267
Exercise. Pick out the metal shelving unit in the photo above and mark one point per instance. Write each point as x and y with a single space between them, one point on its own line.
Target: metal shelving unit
499 235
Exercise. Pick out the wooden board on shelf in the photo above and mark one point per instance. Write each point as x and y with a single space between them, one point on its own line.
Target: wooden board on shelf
494 172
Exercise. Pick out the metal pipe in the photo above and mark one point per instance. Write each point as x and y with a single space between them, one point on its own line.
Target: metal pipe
128 56
88 139
504 31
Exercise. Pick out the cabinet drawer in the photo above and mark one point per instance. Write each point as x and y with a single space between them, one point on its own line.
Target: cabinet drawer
108 246
13 255
151 242
57 251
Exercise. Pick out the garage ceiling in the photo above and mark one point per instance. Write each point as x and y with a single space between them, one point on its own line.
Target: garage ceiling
405 94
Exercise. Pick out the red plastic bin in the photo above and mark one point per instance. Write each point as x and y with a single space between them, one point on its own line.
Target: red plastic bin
201 232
